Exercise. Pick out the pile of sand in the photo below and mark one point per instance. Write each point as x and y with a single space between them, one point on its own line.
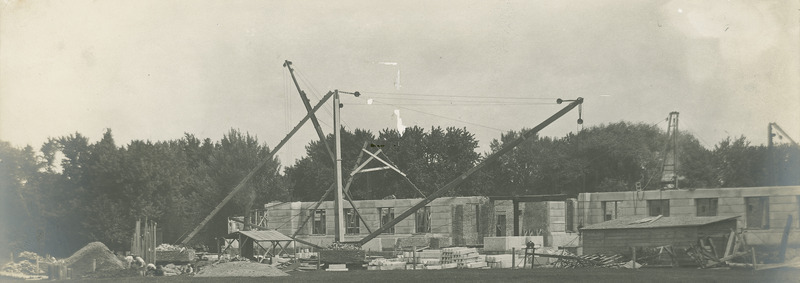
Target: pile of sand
81 261
240 269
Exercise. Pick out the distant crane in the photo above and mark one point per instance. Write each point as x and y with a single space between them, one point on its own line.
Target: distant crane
781 134
669 175
773 130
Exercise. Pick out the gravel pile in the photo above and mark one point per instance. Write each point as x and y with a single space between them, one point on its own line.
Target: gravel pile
240 269
81 261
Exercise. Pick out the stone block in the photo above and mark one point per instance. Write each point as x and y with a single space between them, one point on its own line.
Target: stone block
676 202
414 241
440 242
373 245
388 243
337 267
440 209
478 264
682 210
449 265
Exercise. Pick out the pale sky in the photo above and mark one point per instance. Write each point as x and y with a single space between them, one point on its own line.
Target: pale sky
152 70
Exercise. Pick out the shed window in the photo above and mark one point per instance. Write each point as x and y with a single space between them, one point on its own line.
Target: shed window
351 221
658 207
611 210
757 212
706 206
387 215
423 217
319 222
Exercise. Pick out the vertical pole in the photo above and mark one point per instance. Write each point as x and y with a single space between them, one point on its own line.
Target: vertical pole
634 257
414 257
338 203
675 150
155 240
513 258
770 157
94 265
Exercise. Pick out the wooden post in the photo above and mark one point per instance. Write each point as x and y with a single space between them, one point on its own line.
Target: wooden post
513 258
753 252
634 257
94 265
338 205
525 259
785 239
516 219
155 240
414 257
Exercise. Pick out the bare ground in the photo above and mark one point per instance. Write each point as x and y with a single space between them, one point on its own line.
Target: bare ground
500 275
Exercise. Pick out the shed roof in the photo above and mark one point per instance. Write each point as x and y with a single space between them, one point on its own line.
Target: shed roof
679 221
261 236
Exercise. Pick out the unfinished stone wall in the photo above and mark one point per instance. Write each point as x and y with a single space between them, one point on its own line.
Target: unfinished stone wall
286 217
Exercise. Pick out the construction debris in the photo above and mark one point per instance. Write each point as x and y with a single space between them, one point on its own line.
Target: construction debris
569 260
707 255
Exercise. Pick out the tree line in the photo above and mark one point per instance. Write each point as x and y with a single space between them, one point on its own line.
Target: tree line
71 191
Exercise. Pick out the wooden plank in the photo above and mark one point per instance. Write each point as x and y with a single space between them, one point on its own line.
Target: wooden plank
731 238
713 247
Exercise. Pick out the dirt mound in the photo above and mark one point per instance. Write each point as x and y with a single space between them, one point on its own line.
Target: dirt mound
81 261
240 269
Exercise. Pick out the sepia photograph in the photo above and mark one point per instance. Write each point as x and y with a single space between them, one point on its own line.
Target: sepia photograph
410 141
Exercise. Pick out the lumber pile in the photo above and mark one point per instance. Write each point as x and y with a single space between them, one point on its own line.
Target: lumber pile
463 257
568 260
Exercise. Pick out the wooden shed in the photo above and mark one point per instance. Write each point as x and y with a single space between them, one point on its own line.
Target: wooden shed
619 235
